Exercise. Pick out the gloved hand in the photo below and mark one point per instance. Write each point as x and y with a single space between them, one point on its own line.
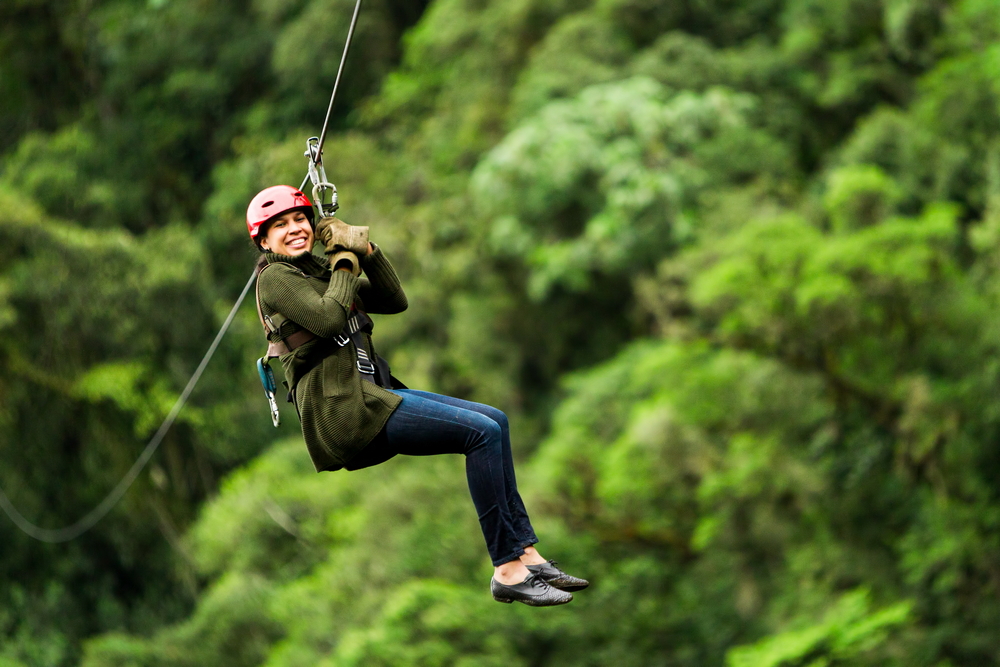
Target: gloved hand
337 235
345 259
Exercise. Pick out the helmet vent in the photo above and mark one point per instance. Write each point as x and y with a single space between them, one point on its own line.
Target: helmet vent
298 194
266 204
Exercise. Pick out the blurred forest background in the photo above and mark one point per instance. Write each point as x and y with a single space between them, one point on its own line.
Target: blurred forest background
731 266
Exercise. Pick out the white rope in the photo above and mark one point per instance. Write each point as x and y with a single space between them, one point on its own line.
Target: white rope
67 533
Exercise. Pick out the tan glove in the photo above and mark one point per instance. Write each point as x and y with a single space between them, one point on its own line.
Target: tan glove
337 235
345 259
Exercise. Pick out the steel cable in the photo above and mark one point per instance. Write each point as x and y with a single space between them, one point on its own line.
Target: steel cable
336 83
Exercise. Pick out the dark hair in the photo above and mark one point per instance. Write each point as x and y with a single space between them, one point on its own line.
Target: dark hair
261 261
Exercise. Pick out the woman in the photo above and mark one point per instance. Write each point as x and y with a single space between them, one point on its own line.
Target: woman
354 414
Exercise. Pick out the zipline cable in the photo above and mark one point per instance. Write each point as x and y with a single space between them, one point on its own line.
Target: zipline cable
56 535
315 152
336 84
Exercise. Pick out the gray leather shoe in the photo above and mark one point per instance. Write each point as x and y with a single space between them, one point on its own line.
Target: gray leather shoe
553 576
532 591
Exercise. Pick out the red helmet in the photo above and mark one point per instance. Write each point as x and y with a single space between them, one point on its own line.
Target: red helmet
273 201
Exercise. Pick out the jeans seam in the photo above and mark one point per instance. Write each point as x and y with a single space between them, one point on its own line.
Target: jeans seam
439 419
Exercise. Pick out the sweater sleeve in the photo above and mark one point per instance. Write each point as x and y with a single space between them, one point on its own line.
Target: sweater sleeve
380 291
284 290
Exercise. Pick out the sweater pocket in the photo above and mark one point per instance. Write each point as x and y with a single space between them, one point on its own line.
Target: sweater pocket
337 374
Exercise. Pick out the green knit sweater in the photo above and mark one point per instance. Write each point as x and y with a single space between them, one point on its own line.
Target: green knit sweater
340 413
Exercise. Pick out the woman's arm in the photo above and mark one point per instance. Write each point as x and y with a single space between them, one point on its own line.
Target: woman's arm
380 292
286 291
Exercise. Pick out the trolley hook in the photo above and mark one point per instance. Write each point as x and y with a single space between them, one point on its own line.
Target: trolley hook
317 174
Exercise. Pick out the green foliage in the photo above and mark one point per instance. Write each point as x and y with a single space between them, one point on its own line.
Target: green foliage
229 628
848 631
428 623
859 195
730 266
626 158
40 92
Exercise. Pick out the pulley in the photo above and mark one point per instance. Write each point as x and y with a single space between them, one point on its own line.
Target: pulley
317 174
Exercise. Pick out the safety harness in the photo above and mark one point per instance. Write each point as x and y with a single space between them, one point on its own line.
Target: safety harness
358 323
357 326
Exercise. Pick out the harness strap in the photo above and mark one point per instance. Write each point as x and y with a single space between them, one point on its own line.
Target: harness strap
364 363
355 328
287 344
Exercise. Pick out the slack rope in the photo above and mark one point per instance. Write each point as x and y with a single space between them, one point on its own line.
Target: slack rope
67 533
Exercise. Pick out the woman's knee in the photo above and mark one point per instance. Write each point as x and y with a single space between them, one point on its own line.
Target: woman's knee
501 419
496 415
489 434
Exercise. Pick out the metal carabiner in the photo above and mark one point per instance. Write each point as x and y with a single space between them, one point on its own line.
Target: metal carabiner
267 379
325 210
317 174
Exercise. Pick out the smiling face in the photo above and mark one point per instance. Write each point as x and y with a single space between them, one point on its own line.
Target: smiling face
290 233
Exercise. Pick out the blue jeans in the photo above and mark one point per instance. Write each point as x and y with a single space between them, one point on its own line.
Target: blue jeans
425 424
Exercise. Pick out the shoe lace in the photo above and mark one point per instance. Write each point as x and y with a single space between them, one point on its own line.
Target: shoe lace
534 580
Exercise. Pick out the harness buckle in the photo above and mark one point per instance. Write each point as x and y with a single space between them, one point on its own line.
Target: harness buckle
365 364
